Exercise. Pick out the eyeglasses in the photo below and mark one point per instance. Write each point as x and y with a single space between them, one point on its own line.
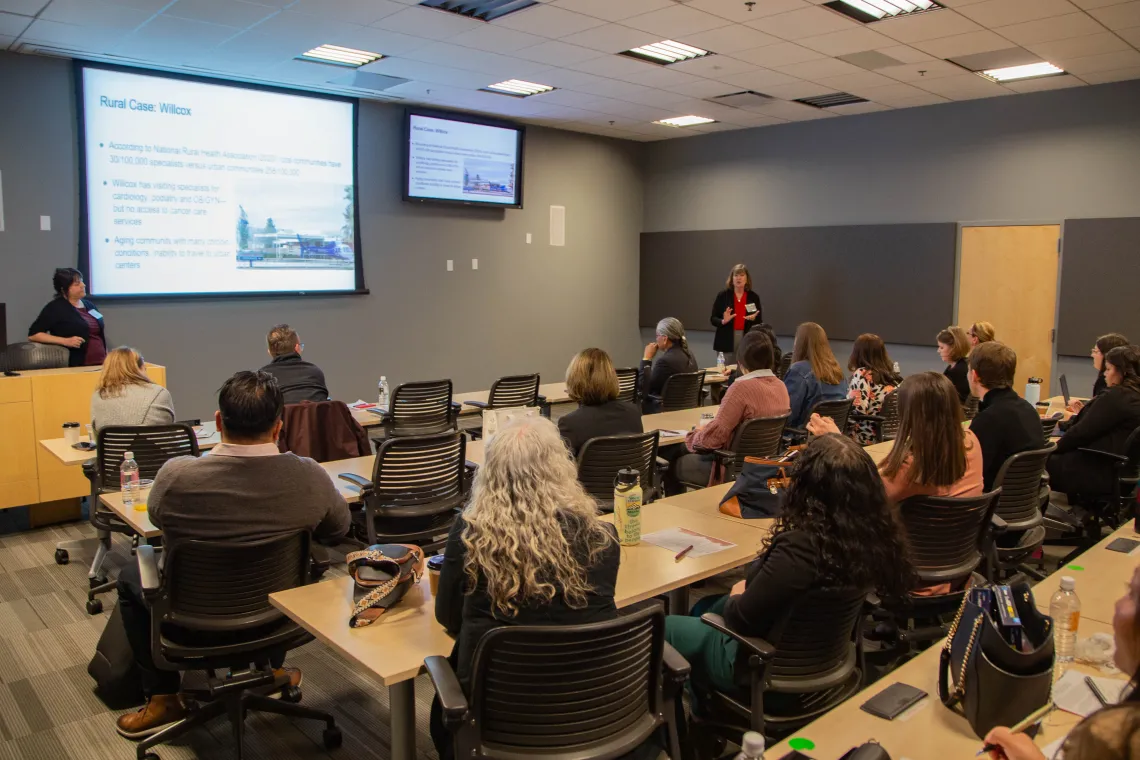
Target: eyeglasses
302 346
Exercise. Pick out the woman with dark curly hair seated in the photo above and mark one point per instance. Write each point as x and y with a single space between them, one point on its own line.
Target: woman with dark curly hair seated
836 532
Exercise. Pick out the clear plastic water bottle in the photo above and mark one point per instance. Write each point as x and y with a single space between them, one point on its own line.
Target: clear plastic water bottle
129 479
1065 609
383 392
897 368
751 747
720 362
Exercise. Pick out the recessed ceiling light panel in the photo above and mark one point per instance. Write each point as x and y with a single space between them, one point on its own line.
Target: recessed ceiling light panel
518 88
685 121
868 11
666 52
1026 71
340 56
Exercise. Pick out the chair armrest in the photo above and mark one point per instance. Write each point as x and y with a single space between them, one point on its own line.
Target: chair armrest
1115 457
191 423
857 417
478 404
653 397
998 524
148 568
456 406
451 696
363 483
757 646
724 457
675 666
539 400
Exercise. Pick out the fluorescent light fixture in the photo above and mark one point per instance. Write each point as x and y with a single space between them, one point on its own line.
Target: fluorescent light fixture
685 121
518 88
877 10
666 52
1025 71
340 56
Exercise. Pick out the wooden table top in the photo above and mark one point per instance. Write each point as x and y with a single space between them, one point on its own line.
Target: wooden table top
62 450
1102 577
138 519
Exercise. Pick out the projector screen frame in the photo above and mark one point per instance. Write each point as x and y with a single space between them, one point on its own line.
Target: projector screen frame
84 257
465 118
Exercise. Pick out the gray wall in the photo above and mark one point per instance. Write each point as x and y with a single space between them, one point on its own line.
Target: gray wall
521 311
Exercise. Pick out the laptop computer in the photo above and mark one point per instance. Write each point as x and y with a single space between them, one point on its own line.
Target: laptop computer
1065 390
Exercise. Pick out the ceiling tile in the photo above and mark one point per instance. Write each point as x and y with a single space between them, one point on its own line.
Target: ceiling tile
659 76
675 22
1122 16
1078 47
712 66
959 3
760 80
905 53
846 41
556 53
609 10
225 12
926 26
569 78
735 10
90 13
252 49
1046 83
808 22
612 66
72 36
1049 29
548 21
993 13
705 88
371 38
654 97
794 90
496 39
23 7
893 94
857 108
816 70
1117 75
963 87
916 73
569 98
352 11
6 41
1106 62
797 111
427 72
855 83
307 31
1132 36
1089 4
611 38
424 22
926 99
11 25
729 39
960 45
782 54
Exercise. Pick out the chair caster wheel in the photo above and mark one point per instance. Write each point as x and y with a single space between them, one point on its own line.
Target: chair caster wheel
291 694
150 756
61 557
94 606
332 737
94 582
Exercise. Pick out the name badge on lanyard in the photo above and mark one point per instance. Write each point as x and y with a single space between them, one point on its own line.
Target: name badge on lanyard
95 313
750 308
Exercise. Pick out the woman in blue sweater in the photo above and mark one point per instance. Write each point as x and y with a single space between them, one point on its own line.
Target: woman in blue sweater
814 376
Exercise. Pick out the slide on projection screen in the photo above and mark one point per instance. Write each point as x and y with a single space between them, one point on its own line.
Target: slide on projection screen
200 188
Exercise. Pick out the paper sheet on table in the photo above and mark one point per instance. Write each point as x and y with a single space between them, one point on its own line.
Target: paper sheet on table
672 433
1072 694
1052 751
678 539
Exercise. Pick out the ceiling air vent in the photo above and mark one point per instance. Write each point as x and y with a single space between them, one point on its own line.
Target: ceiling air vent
480 10
834 99
746 99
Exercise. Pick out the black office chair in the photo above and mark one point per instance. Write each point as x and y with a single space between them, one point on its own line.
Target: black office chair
600 459
810 662
511 391
21 356
419 483
681 391
1119 504
578 691
629 384
1049 425
970 408
837 409
210 612
152 446
420 408
1017 523
785 365
759 437
886 422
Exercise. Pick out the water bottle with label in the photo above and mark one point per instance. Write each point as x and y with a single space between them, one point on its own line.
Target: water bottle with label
752 746
129 479
1065 609
720 363
627 507
383 388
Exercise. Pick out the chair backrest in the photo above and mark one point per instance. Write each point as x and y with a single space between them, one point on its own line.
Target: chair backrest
1020 482
421 408
28 355
583 691
785 365
152 446
945 534
629 384
757 437
682 391
837 409
420 475
1130 473
600 459
889 411
514 390
1048 425
816 638
224 586
970 408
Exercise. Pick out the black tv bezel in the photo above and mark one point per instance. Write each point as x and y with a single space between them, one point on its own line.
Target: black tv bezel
466 118
84 262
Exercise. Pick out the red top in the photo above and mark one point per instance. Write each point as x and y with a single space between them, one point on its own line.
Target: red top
739 305
96 347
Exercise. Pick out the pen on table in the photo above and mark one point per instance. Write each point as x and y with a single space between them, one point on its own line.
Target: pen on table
681 554
1096 691
1029 720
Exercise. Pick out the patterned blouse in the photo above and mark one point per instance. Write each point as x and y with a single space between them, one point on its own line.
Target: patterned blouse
868 397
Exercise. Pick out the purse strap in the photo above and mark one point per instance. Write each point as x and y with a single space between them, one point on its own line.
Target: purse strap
948 697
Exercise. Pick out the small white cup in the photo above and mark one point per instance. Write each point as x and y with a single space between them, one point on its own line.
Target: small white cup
71 433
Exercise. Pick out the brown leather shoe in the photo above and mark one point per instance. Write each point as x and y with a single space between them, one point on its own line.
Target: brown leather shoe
159 712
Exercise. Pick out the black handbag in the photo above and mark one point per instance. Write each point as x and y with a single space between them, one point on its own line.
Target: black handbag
759 490
994 684
118 681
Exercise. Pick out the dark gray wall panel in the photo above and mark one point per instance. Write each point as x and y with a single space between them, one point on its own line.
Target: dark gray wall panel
896 280
1101 272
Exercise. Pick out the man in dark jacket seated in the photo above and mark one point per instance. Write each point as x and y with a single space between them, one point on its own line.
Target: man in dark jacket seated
1006 424
299 380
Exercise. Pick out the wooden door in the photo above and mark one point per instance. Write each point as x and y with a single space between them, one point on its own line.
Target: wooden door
1008 276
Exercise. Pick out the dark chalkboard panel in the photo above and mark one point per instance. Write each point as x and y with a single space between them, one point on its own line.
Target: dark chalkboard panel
1100 282
896 280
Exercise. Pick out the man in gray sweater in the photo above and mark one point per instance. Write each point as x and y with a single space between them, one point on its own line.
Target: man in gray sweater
244 489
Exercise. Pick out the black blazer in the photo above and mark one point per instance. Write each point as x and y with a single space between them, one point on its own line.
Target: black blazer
298 379
724 300
1105 425
61 319
957 374
1006 424
591 421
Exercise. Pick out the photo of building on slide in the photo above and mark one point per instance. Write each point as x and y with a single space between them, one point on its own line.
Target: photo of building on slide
482 177
295 227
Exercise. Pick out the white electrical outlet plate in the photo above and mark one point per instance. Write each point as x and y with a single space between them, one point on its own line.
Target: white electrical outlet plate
45 223
451 265
528 238
474 263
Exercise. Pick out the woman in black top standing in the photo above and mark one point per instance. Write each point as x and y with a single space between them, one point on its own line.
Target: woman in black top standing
953 348
735 311
71 321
